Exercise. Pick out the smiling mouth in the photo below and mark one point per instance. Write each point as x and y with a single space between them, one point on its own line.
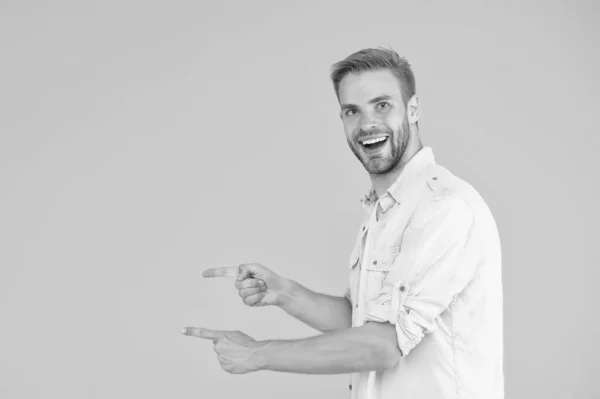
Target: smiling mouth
374 143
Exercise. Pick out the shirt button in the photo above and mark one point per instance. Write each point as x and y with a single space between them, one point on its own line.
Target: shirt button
350 386
402 288
375 262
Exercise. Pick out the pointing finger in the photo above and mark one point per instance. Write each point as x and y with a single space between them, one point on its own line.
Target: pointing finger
202 333
221 272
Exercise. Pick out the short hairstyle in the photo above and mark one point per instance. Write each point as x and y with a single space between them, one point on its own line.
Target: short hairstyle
371 59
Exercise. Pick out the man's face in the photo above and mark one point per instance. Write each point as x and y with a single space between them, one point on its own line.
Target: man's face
374 118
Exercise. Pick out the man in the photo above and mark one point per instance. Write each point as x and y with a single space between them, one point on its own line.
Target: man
422 316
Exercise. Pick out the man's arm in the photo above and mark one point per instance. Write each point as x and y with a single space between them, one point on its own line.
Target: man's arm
370 347
319 311
260 286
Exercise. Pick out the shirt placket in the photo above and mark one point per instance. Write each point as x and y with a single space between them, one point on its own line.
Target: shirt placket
364 381
366 244
358 311
358 269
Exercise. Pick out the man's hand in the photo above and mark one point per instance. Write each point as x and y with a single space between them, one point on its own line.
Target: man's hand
257 284
237 352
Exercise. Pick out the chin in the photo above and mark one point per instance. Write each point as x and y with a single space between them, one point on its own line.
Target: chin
378 167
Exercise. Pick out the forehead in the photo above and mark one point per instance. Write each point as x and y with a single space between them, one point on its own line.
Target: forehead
358 88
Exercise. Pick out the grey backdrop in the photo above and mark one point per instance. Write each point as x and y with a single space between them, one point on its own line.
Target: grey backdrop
143 141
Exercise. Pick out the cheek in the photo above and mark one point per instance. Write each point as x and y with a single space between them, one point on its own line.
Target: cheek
392 118
349 131
391 121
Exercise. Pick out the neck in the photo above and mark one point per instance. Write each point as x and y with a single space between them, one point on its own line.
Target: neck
381 183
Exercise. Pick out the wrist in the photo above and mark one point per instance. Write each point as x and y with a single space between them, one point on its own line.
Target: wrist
288 287
262 355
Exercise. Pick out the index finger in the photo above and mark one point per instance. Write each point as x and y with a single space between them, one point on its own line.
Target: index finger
221 272
202 332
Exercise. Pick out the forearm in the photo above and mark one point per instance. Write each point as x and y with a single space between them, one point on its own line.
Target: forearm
320 311
366 348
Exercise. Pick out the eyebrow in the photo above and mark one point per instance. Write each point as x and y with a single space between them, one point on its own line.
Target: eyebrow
372 101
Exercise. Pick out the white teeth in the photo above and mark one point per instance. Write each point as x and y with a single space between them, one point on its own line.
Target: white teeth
373 141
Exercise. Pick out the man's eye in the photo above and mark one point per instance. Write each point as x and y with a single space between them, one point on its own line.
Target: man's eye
350 112
383 105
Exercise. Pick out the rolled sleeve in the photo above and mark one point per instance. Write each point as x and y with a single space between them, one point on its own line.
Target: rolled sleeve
435 263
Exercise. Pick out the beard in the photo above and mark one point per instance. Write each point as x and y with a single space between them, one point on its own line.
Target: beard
388 159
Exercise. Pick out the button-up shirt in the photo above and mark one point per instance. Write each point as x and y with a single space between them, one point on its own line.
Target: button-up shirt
427 259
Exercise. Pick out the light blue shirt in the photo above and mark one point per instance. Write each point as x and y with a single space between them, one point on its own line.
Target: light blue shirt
430 264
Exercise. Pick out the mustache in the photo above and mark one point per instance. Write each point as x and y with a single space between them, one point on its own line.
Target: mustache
372 132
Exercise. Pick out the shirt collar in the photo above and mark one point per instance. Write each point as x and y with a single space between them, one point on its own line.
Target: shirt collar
401 186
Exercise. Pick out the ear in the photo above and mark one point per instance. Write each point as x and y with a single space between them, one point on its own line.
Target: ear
413 109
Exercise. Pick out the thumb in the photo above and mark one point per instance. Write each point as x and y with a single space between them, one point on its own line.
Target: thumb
245 271
254 270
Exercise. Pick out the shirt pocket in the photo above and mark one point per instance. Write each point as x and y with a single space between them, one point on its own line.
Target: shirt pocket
378 269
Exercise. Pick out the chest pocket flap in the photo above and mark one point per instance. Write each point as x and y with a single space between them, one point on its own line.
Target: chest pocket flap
383 259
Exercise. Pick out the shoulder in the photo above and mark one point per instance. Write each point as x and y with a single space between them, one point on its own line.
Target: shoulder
447 191
446 194
441 182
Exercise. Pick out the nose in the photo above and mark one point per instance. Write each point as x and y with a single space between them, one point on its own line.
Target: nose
367 121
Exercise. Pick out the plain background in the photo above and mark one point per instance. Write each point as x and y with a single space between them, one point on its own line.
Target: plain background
143 141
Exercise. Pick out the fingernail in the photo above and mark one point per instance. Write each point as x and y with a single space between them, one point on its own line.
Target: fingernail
260 282
183 330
